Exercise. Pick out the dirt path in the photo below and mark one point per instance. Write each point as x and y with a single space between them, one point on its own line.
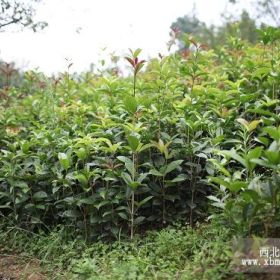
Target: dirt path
14 267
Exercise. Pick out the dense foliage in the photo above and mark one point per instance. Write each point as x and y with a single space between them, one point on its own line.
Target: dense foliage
108 156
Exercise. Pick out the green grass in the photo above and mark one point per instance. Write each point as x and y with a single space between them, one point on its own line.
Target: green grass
177 252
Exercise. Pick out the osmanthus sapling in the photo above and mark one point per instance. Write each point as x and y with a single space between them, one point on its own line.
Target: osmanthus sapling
162 172
244 191
244 154
136 65
134 179
192 63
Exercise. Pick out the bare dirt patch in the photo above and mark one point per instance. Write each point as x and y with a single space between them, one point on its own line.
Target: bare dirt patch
14 267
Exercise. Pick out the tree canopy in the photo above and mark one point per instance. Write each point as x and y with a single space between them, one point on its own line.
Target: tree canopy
265 10
20 13
244 28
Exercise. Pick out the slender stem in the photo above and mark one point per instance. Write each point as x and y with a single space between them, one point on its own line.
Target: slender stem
163 196
191 212
85 224
132 216
163 201
192 196
134 85
132 199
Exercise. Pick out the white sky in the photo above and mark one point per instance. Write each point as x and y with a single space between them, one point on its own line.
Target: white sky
117 25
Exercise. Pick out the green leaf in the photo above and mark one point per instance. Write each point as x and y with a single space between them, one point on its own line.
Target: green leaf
263 163
69 200
22 185
81 153
83 180
88 201
233 154
179 178
273 132
71 214
263 113
127 178
145 147
237 186
123 215
220 167
40 206
220 181
272 156
172 165
136 52
39 195
130 104
29 206
142 177
100 204
250 195
133 142
156 173
213 198
250 126
144 201
219 204
139 220
255 153
128 164
64 160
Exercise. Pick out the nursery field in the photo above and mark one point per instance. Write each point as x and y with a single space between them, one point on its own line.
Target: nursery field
147 176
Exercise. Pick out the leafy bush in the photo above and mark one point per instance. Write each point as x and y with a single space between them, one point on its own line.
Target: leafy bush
108 156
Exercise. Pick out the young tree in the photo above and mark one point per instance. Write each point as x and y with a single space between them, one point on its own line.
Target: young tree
19 12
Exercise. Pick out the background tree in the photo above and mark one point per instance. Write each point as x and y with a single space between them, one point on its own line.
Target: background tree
267 11
244 27
16 13
270 9
19 12
190 24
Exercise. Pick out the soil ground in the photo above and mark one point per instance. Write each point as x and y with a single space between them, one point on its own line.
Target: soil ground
14 267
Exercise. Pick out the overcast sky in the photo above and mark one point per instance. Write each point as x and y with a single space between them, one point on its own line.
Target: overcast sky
79 29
